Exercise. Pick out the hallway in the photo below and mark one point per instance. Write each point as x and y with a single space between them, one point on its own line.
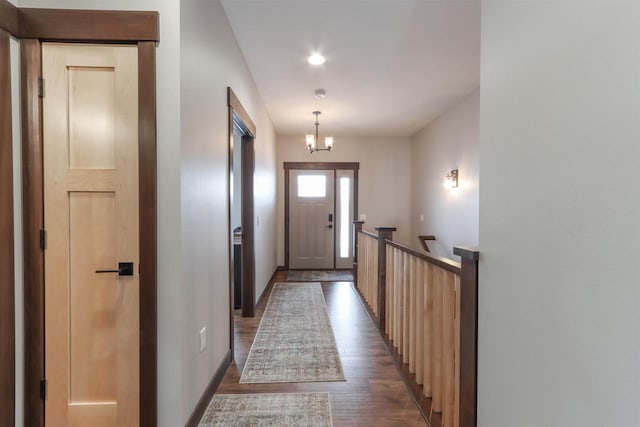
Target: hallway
373 394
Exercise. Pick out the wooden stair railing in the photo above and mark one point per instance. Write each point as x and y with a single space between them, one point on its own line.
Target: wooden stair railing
426 309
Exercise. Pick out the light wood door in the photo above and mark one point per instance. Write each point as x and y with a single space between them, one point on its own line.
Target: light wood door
90 122
312 219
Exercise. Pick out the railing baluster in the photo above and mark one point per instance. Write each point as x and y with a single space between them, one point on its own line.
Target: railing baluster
419 319
406 304
371 283
374 278
412 314
360 258
397 315
456 405
428 332
448 361
436 404
402 302
368 271
389 292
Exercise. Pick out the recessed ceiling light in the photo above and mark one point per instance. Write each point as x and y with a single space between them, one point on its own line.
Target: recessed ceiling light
316 59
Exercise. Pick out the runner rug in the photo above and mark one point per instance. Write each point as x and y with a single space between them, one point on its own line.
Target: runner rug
320 276
268 409
294 342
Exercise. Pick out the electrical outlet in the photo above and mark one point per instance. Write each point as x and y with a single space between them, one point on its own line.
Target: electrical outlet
363 217
421 217
258 221
203 339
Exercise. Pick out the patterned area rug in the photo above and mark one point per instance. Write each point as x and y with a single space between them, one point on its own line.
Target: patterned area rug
268 409
294 342
319 276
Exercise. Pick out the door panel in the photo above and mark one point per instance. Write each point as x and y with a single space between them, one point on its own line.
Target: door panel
90 113
92 297
311 237
92 105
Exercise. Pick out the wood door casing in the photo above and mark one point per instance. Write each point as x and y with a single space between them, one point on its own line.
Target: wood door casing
7 280
238 117
33 201
90 127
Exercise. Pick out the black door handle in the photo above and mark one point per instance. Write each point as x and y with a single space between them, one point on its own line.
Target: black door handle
329 226
124 269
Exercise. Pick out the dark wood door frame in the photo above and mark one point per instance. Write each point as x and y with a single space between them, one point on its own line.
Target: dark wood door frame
7 279
9 18
141 28
79 25
288 166
239 117
8 28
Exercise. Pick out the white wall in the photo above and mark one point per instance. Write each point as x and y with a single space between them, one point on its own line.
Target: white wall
559 338
210 61
449 142
384 178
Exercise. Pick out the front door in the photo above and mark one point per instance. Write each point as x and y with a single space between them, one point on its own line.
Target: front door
312 231
90 130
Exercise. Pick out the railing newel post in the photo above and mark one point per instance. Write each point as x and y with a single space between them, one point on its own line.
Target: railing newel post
468 335
384 234
357 228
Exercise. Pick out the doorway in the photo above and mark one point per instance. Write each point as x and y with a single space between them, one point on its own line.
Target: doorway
91 215
99 210
236 212
242 133
321 201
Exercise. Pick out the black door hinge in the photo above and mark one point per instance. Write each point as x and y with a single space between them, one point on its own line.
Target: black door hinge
43 389
43 239
40 87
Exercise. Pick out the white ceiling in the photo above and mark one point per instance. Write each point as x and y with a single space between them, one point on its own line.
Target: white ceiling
392 65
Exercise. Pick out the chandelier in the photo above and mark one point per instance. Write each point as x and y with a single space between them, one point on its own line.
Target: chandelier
312 140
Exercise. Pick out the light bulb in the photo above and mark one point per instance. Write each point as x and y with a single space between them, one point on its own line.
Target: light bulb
311 140
316 59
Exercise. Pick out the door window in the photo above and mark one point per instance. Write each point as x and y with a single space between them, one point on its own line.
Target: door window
312 185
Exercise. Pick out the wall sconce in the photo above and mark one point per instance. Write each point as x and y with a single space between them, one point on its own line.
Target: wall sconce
451 179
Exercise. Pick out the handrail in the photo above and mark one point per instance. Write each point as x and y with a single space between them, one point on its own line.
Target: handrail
369 233
441 262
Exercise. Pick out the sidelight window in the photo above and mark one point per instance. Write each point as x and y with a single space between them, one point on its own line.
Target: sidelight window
345 188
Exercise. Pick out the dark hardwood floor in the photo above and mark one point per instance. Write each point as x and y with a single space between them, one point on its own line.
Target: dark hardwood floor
373 395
